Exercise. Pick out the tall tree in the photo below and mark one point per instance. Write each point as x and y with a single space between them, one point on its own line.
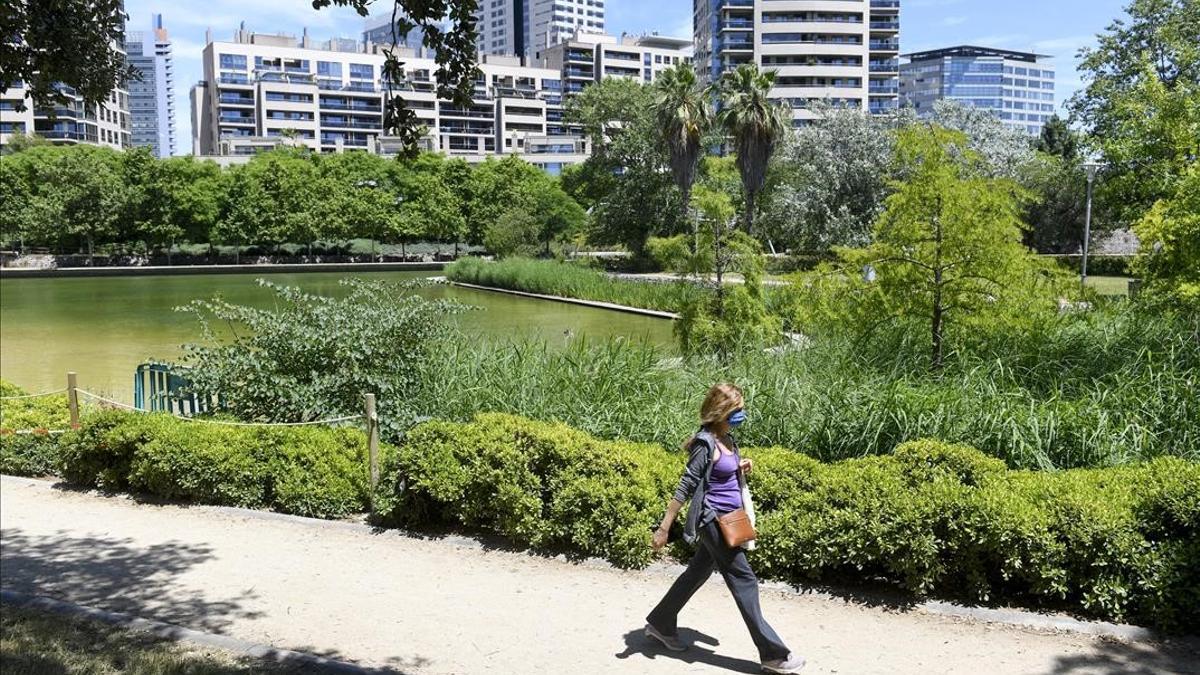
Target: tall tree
1169 259
1058 139
948 246
1140 99
684 114
755 123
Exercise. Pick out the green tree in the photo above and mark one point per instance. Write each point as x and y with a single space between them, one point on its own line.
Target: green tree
52 43
755 124
514 234
684 115
1140 101
946 250
1169 259
83 197
244 210
559 217
1059 139
626 182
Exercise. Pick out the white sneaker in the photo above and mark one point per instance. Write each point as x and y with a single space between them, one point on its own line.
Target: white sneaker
671 642
792 664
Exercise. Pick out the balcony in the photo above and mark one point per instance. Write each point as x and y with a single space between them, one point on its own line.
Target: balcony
240 80
737 45
885 25
885 45
885 4
737 3
884 89
236 119
885 67
737 24
228 99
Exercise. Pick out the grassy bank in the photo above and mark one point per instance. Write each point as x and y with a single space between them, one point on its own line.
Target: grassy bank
37 643
568 280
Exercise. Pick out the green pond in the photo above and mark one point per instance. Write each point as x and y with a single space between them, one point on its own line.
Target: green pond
102 328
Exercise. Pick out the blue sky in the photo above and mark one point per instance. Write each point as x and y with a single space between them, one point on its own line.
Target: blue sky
1055 27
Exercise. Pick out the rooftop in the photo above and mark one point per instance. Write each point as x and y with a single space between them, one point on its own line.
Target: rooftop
971 51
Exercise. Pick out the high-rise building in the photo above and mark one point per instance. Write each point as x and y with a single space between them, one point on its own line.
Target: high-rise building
378 30
526 27
586 58
71 122
1017 86
152 98
841 53
262 90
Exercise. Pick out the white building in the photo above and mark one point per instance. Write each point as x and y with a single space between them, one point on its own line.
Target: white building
526 27
152 98
71 123
585 58
260 90
844 53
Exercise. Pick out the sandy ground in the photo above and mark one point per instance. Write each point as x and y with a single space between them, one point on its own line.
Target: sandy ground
448 606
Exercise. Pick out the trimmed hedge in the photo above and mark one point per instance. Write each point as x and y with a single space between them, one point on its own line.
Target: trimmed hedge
1118 543
309 471
1100 265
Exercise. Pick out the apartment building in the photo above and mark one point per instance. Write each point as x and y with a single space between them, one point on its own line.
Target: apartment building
152 98
526 27
262 90
68 123
378 30
843 53
586 58
1018 87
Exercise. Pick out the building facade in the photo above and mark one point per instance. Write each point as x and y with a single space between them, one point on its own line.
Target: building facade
263 90
587 58
1018 87
74 122
842 53
526 27
152 98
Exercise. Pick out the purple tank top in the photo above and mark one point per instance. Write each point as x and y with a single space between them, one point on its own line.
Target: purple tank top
724 494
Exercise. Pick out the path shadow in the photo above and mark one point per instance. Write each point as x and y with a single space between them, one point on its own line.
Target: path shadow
1112 657
115 574
636 643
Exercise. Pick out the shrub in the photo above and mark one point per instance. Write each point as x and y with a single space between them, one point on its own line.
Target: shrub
26 446
310 471
933 518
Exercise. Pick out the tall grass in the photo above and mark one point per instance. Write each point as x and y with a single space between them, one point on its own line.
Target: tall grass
1130 395
570 280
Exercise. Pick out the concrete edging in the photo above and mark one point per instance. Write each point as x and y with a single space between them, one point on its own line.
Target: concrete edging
570 301
178 270
179 633
1002 616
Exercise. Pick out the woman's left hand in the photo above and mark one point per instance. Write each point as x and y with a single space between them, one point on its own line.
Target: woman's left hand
746 465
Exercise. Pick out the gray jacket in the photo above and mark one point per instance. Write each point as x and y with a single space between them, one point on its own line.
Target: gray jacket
693 484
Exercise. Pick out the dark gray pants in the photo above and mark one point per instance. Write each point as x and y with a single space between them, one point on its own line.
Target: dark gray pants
711 551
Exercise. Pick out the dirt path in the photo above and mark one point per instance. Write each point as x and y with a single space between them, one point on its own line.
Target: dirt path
444 606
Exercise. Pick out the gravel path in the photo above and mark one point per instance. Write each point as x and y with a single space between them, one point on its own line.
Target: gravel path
452 606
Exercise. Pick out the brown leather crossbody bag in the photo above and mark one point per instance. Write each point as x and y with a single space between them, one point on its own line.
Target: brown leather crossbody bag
736 528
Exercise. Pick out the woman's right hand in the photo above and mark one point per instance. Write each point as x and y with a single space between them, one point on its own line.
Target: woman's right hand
659 539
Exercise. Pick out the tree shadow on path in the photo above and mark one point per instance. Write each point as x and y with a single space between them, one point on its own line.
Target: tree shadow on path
1112 657
115 574
636 643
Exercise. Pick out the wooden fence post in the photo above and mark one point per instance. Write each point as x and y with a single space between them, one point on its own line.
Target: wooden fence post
73 399
372 441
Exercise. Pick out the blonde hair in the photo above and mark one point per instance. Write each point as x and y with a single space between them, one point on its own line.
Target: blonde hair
721 400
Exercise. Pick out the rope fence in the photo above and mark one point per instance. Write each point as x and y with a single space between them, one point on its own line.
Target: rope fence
73 392
44 393
332 420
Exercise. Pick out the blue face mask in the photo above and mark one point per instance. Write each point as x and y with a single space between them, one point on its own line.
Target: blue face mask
736 418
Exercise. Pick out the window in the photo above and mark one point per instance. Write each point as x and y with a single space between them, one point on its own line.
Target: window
328 68
233 61
362 71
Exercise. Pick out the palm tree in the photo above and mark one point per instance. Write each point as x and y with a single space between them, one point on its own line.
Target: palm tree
754 123
684 114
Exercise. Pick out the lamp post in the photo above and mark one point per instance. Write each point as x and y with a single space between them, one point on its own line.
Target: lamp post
1092 169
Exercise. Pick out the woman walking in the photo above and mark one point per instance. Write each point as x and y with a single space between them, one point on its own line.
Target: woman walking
720 521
